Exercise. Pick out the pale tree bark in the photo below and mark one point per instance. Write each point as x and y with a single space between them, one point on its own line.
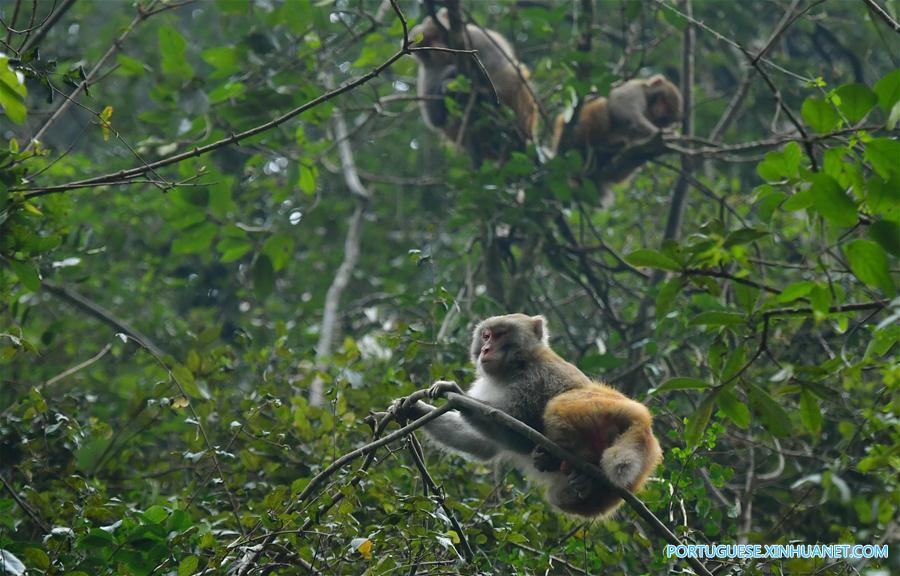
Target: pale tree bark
330 313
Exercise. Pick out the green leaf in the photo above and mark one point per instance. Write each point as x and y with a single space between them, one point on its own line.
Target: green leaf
12 93
773 415
819 114
27 273
226 91
37 558
172 47
128 66
869 263
279 248
800 200
883 197
693 432
718 318
810 414
883 153
737 411
195 239
233 249
225 59
307 181
794 291
888 90
156 514
188 566
855 101
682 383
778 165
832 202
652 259
887 234
263 277
744 236
666 297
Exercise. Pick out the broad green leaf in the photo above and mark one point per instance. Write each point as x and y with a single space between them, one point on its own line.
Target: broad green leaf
855 101
225 59
883 154
771 412
172 47
279 248
832 202
682 383
128 66
27 273
810 414
819 114
888 90
666 297
800 200
778 165
887 234
652 259
227 91
188 566
12 93
233 249
820 299
195 239
870 264
737 411
37 558
693 432
883 197
155 514
794 291
307 181
718 318
744 236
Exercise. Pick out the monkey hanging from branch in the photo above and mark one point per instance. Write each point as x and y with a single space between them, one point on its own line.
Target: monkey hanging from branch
518 373
471 118
615 135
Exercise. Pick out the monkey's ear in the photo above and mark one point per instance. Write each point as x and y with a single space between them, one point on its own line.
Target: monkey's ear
539 327
657 79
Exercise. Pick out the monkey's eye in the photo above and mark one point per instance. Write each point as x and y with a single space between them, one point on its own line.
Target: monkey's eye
486 335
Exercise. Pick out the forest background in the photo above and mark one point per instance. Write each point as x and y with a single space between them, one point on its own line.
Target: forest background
226 236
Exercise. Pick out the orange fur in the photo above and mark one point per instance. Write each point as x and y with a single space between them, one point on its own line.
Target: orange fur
594 422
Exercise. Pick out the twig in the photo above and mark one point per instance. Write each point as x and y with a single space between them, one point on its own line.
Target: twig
416 450
104 315
76 368
49 23
116 45
876 305
24 506
879 11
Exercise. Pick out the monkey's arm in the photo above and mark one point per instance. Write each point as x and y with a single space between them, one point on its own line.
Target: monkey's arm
453 432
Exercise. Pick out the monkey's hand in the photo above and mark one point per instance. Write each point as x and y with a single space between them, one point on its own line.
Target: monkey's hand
407 408
440 389
545 461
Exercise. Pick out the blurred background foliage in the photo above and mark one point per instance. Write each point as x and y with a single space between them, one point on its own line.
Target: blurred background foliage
159 334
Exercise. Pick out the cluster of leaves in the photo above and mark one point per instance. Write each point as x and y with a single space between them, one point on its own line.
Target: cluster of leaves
157 339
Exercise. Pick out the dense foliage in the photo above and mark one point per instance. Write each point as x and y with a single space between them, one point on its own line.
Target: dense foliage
167 271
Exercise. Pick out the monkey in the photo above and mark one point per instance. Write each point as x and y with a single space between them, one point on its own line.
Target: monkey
519 373
483 137
633 114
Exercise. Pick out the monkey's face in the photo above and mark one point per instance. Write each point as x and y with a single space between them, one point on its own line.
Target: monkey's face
506 343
